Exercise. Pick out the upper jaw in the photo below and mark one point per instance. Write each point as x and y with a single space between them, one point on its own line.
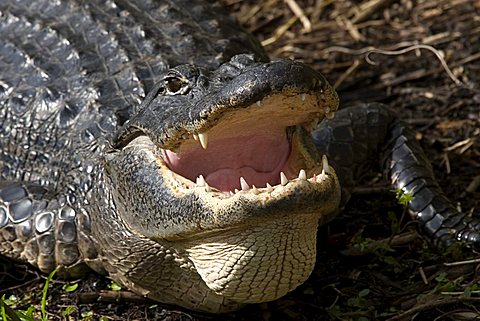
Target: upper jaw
170 119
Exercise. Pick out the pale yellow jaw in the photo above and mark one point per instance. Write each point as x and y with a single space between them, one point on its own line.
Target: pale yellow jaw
253 264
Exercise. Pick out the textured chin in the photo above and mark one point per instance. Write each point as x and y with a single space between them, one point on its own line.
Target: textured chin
258 263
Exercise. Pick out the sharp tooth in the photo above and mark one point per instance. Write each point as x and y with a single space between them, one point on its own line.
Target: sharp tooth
230 193
269 188
243 184
283 179
236 191
330 115
203 137
195 136
325 166
254 190
201 181
303 96
302 175
259 103
207 187
321 176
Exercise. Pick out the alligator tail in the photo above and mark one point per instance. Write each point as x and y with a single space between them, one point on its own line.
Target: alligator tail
408 169
354 139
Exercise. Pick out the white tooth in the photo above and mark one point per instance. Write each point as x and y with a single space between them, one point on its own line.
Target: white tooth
325 166
236 191
207 187
269 188
230 193
283 179
330 115
203 137
302 175
254 190
243 184
303 96
321 177
259 103
195 136
201 181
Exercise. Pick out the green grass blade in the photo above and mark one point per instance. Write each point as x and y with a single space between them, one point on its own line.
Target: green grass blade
44 295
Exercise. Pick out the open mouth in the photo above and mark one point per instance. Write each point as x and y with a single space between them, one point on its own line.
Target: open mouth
254 149
238 155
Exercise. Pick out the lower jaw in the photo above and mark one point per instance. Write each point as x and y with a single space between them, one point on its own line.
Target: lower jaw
258 262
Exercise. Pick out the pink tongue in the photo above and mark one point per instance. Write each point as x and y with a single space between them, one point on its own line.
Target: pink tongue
258 159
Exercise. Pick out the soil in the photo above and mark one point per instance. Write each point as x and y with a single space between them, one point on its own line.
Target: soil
422 58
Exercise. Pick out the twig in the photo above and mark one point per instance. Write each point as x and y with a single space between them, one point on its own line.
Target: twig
371 190
466 142
279 32
473 261
397 240
474 184
347 73
298 12
422 275
430 305
351 28
415 47
367 51
111 296
369 8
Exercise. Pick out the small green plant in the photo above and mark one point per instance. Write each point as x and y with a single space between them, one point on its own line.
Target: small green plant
68 310
86 316
114 286
11 300
394 222
470 289
444 284
359 301
334 312
8 314
70 287
402 197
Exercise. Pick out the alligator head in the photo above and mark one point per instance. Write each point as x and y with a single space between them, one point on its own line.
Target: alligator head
221 166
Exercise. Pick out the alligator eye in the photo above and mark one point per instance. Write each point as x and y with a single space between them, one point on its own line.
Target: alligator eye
175 86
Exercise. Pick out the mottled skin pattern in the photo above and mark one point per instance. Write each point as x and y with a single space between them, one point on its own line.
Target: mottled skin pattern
73 76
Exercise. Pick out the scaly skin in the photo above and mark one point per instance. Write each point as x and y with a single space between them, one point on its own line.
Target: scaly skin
86 177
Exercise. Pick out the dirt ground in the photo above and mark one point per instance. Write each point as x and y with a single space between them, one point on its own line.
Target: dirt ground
422 58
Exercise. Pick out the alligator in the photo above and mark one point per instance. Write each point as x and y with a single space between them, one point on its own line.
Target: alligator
156 142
